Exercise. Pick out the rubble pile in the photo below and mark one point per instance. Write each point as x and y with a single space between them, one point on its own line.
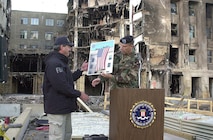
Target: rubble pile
95 103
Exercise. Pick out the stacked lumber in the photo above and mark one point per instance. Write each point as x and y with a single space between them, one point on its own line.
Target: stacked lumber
200 106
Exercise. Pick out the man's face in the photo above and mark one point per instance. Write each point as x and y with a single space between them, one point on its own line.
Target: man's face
65 50
125 48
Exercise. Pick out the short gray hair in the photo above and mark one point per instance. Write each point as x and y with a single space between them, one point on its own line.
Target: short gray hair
56 47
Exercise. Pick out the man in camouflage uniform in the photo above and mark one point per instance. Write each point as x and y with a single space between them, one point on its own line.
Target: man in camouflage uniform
125 67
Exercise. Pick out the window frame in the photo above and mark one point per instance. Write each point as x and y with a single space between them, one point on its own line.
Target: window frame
48 36
192 11
49 22
23 34
192 54
210 56
192 32
22 46
59 22
33 34
24 21
33 46
209 32
34 21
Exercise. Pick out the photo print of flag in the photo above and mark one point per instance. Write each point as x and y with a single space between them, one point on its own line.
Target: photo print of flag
101 57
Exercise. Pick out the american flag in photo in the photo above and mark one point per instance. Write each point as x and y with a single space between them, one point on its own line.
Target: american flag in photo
101 58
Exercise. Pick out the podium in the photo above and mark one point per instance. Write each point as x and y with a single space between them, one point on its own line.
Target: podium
136 114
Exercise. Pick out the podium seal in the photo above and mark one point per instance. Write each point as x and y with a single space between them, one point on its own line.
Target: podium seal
142 114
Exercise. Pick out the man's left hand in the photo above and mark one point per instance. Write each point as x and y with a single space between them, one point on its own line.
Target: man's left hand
107 75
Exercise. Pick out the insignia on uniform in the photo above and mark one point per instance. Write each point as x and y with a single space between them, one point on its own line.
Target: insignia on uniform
123 41
59 69
142 114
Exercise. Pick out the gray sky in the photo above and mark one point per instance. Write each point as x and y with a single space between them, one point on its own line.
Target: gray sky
52 6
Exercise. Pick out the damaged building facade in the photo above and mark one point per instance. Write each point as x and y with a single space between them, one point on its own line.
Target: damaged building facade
173 38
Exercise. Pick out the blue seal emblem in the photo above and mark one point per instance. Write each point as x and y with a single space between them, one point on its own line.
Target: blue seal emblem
142 114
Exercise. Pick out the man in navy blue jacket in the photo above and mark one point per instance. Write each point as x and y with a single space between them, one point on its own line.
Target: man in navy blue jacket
60 96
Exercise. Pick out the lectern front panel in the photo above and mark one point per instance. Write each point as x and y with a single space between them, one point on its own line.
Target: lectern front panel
136 114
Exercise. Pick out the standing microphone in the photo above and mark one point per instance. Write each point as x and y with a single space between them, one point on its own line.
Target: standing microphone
140 68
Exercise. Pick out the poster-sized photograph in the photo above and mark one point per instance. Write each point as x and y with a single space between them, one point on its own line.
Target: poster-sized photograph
101 57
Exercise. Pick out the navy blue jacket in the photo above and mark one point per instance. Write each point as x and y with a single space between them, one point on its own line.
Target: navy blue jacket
60 96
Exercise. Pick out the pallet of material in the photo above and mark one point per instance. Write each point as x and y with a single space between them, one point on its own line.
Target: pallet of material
197 125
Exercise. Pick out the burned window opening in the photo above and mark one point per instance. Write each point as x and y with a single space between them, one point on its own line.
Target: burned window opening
98 34
195 88
42 63
210 56
142 50
173 58
174 8
23 63
83 39
70 5
209 32
138 28
211 87
192 55
209 10
110 30
85 19
175 84
174 30
127 29
83 54
126 13
24 84
95 17
192 8
116 11
138 7
83 3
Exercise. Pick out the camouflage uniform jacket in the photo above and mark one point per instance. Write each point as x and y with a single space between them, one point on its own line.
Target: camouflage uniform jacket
125 71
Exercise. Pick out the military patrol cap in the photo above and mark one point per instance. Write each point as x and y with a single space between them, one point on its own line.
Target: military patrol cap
127 39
